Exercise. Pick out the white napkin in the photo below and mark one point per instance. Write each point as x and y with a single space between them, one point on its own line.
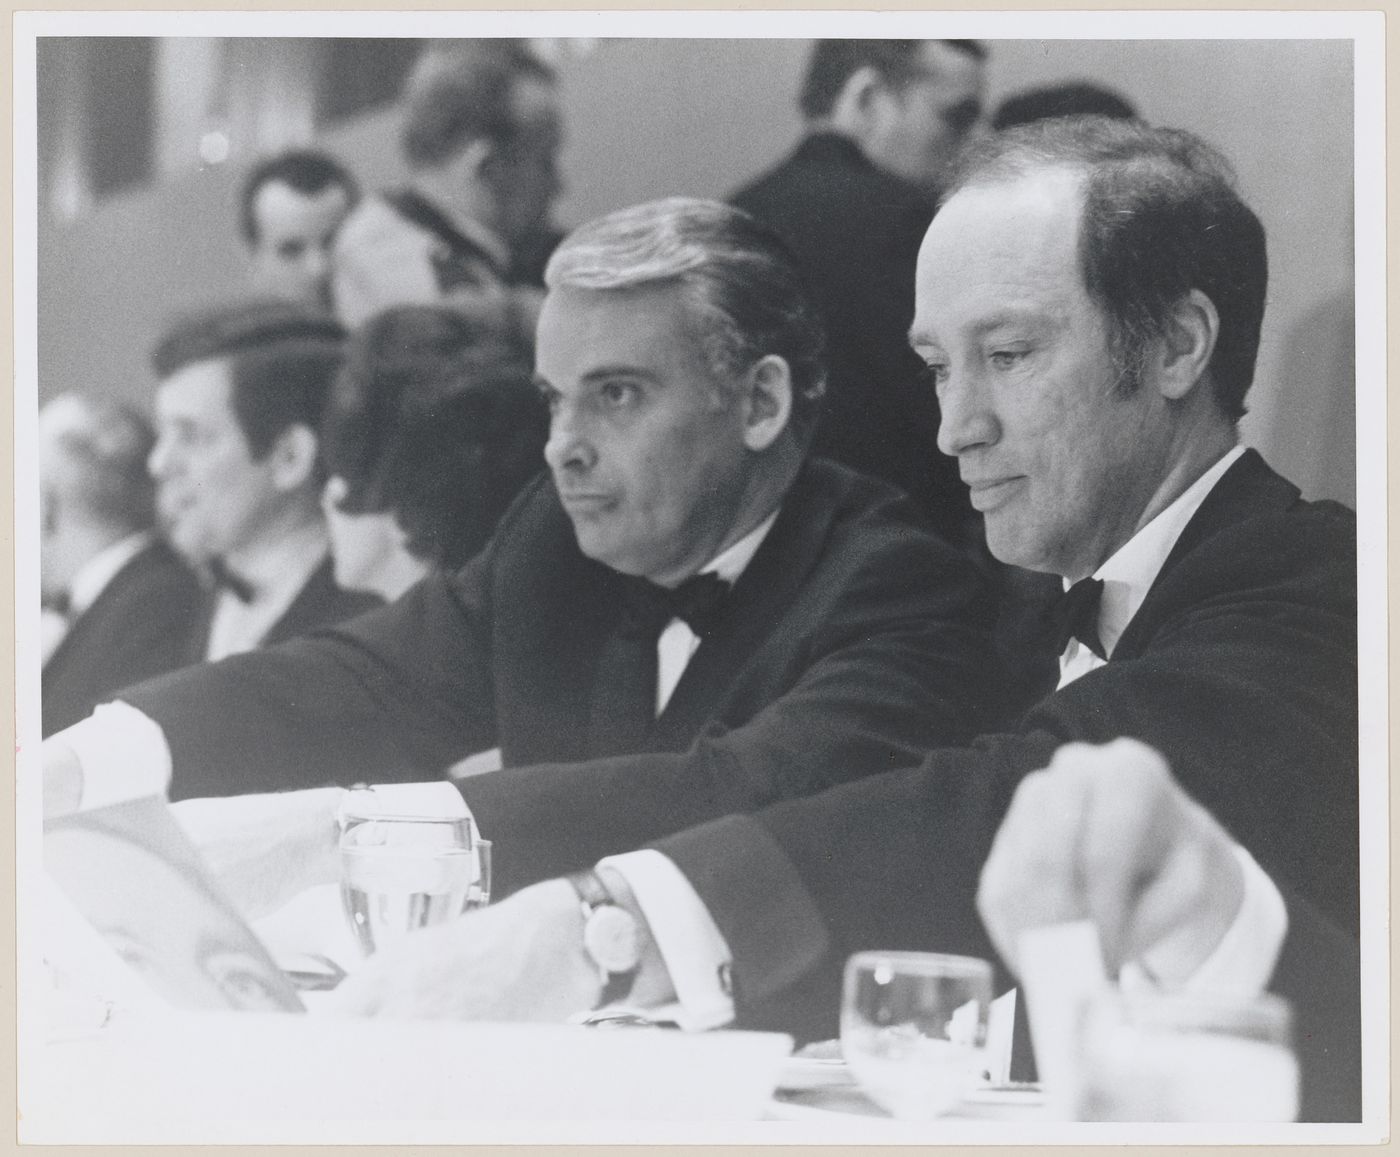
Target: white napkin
1061 967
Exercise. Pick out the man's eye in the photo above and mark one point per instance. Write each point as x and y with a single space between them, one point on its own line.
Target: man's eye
291 250
934 374
617 394
1006 359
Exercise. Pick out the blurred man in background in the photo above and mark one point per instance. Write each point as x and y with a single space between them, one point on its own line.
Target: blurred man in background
118 602
292 206
238 471
886 121
481 137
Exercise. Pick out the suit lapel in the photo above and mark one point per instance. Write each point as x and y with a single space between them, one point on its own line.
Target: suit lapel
756 606
1246 489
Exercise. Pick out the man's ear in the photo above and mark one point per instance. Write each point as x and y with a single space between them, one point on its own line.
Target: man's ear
471 164
1186 346
293 457
858 107
767 401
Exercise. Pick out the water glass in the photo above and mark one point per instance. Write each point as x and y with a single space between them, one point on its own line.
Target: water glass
1160 1056
402 873
913 1026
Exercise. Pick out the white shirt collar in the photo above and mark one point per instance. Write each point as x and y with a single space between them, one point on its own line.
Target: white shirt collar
730 563
95 574
278 569
1130 571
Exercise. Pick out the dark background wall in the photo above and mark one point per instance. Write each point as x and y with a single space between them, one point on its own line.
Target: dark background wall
651 117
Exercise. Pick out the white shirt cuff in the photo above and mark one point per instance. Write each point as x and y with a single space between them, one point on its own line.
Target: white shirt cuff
122 753
692 947
1244 960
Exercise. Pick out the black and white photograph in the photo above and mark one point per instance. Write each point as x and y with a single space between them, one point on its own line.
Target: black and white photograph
637 577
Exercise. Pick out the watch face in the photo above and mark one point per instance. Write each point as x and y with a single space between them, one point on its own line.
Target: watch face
612 939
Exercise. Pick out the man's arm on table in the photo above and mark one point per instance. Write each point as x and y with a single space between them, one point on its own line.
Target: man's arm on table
397 694
1248 705
900 663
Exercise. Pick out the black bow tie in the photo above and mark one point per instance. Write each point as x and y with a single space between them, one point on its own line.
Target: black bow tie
696 602
1075 615
225 579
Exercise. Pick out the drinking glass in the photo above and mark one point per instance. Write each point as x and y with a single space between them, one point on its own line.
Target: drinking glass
913 1025
1158 1056
402 873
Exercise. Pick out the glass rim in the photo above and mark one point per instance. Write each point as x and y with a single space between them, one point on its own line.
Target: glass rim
944 963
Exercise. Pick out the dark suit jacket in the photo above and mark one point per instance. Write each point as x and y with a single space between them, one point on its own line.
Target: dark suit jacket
851 643
855 231
319 603
134 629
1240 667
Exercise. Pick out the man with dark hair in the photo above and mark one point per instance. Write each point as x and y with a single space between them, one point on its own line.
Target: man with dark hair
120 599
689 619
291 208
1089 302
1070 99
238 474
885 123
481 136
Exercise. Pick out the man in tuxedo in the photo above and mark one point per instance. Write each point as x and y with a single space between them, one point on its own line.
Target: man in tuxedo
117 600
1089 303
481 138
292 207
688 618
238 475
885 122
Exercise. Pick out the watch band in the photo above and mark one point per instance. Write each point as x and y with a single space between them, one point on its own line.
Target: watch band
593 895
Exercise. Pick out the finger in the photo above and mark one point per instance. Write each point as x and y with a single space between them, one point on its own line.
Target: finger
1184 912
1030 877
1130 822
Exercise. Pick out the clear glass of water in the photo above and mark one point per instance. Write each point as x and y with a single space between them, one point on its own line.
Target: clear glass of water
1163 1056
403 873
913 1026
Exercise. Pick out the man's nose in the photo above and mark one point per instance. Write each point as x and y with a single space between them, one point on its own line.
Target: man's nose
966 421
568 448
158 462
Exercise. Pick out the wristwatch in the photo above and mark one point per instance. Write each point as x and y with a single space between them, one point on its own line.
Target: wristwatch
610 937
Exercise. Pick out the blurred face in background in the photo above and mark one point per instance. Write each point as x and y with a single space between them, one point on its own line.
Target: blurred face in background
647 452
213 497
921 128
369 549
295 233
523 173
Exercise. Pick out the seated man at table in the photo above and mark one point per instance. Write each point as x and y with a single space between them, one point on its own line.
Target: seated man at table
681 365
1089 303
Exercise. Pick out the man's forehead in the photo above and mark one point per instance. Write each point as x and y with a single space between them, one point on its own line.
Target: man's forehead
280 207
203 383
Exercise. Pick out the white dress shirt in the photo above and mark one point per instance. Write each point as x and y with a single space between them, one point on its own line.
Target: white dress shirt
276 572
699 960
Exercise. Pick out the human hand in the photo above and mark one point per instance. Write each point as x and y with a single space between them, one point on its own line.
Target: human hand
1105 833
521 959
264 849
